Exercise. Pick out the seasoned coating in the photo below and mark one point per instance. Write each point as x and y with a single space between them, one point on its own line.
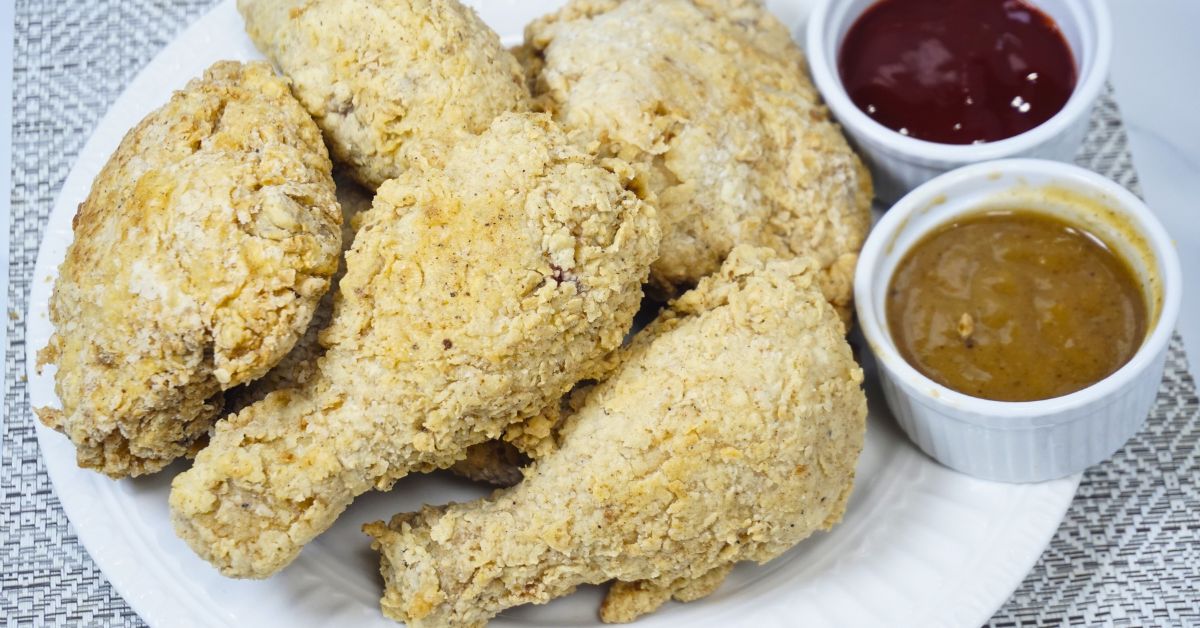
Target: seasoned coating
730 432
475 295
499 462
626 601
300 364
495 462
199 255
392 84
711 100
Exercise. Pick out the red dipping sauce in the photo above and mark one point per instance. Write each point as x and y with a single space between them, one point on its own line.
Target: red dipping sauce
957 71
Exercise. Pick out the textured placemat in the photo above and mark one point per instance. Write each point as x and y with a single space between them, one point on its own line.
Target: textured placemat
1128 551
1126 554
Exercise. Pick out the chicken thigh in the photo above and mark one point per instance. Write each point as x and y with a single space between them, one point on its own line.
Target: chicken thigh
711 100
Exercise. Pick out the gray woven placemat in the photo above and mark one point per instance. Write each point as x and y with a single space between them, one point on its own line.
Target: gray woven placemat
1126 554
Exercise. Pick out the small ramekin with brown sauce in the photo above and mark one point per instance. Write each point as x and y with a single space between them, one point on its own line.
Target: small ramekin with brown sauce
1019 312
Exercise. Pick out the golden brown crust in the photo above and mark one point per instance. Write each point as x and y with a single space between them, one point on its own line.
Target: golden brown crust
626 601
710 100
730 431
500 462
199 257
392 84
300 364
475 295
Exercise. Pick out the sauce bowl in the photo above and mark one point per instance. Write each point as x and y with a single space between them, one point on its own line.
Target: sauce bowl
899 163
1037 440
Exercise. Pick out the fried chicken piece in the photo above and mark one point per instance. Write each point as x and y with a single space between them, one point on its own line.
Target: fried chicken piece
710 99
730 432
626 601
475 295
199 256
500 462
299 365
392 84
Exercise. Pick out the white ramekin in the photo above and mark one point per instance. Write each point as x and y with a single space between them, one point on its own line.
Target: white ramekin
1038 440
900 163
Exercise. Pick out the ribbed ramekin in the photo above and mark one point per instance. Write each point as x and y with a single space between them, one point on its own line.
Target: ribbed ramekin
900 163
1027 441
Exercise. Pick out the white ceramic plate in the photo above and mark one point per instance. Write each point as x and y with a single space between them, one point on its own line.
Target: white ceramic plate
920 545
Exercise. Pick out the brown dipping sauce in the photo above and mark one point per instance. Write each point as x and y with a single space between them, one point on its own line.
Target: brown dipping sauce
957 71
1015 306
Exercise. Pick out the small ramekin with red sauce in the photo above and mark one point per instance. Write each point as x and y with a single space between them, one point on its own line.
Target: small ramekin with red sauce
926 86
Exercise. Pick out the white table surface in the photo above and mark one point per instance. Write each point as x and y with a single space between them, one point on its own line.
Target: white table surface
1155 66
1154 71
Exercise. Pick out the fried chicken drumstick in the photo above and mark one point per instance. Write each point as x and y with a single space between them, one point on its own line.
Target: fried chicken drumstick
475 295
730 432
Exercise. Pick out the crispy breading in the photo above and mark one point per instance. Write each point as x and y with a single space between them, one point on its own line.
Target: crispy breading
730 432
710 99
300 364
199 256
499 462
392 84
626 601
475 295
